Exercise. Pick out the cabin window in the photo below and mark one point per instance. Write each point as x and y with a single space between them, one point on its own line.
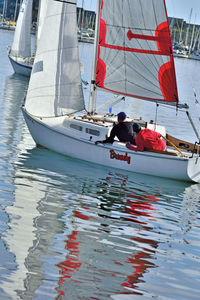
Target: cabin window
76 127
92 131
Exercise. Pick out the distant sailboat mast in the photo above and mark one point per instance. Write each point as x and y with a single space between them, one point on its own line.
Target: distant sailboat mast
192 38
15 14
196 42
181 31
188 27
4 9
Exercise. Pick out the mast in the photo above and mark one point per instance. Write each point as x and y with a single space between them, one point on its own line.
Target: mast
96 40
82 19
4 10
180 37
188 27
196 39
15 14
192 38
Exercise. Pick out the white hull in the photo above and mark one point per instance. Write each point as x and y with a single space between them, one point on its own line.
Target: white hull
20 66
54 135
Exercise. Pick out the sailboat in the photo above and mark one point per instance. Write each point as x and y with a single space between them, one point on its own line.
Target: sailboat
20 54
132 57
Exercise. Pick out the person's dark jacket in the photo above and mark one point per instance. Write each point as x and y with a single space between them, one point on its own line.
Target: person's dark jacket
123 131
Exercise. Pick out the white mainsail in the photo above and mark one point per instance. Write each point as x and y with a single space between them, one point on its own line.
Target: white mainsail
135 51
21 46
55 85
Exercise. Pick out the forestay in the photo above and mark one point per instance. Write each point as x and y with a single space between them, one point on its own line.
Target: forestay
135 51
55 85
21 46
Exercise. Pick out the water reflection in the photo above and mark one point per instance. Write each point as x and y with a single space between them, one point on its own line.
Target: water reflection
90 230
12 97
77 231
11 119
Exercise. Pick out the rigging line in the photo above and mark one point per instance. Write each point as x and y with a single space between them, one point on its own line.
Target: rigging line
65 1
146 89
145 78
180 109
126 88
156 116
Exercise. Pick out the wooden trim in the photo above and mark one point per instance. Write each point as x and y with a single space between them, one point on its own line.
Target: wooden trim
187 146
160 152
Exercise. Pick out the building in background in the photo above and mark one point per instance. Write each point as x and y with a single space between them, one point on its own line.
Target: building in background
9 9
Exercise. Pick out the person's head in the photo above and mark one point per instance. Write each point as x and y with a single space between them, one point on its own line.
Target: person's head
121 116
136 127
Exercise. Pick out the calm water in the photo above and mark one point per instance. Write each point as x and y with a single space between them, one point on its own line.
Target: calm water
71 230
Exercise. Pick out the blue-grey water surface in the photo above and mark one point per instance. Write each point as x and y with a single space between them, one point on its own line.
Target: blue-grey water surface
72 230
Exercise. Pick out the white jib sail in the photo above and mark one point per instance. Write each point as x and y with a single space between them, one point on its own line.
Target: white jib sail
22 38
55 85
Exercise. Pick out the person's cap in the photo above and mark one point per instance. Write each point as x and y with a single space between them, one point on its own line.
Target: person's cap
136 127
121 115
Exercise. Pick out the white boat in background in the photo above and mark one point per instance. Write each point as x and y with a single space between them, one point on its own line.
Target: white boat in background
85 37
183 53
20 54
133 57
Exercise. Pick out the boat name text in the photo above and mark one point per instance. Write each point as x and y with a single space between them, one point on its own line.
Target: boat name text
114 155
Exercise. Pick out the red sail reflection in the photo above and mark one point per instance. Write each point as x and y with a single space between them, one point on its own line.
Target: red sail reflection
72 263
140 211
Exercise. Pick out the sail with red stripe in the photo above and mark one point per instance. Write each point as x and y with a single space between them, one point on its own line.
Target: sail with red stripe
134 54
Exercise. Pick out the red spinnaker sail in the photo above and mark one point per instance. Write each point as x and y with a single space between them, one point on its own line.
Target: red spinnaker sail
135 56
